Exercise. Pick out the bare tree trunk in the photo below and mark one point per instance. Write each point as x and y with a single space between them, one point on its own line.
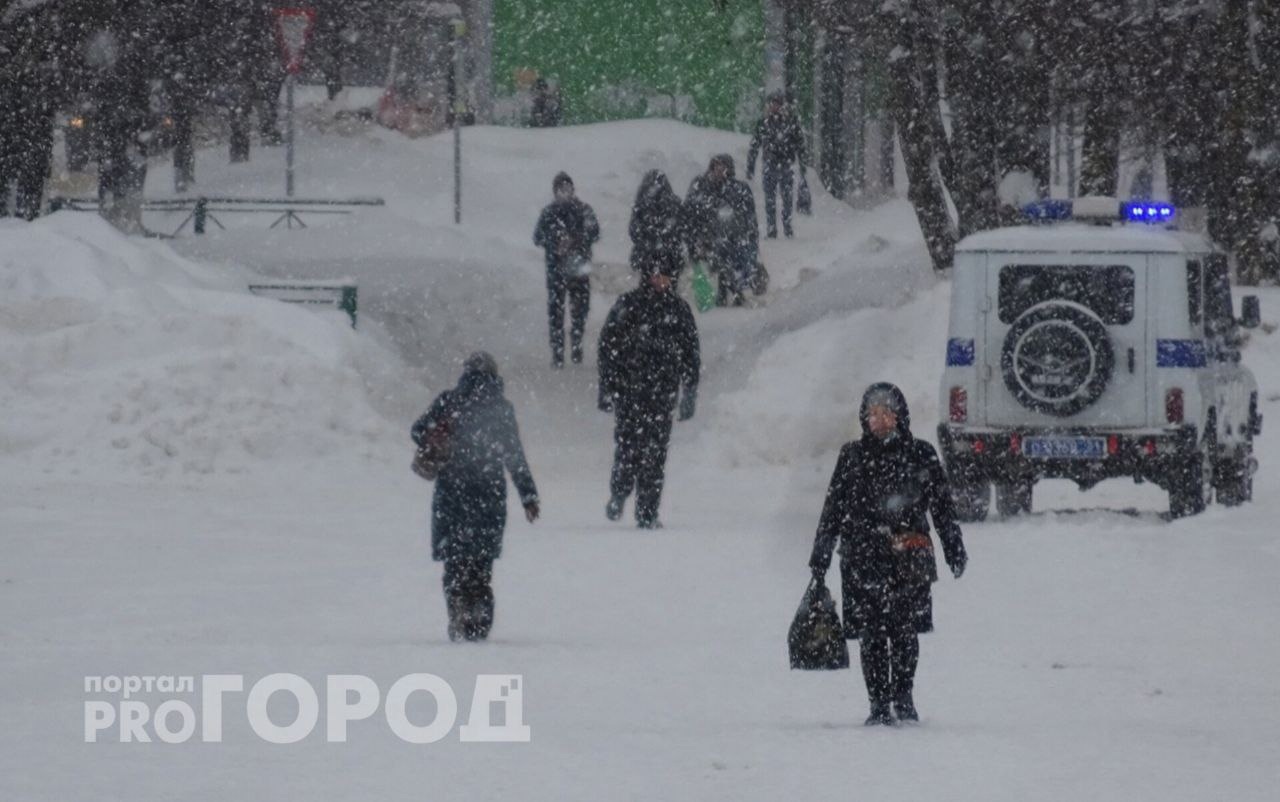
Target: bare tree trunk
1100 160
972 87
912 87
1235 194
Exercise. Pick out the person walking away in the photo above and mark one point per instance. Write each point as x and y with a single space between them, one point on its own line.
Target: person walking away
721 217
469 508
780 141
649 357
547 109
657 224
566 230
883 486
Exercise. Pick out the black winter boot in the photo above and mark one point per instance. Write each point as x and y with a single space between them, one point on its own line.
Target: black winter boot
905 707
613 510
454 606
905 656
481 615
880 714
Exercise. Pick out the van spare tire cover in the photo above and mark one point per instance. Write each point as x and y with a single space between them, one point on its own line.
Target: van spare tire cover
1057 358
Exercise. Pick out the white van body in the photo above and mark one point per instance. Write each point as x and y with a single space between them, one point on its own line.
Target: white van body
1089 351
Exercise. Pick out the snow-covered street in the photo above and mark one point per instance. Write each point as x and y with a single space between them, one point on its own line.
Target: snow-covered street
197 481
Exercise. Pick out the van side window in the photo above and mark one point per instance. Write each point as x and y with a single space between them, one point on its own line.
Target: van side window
1219 316
1194 301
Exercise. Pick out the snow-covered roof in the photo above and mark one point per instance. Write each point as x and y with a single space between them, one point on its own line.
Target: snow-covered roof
1084 238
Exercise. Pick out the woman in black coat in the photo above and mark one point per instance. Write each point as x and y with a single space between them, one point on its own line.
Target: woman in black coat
882 488
469 509
657 226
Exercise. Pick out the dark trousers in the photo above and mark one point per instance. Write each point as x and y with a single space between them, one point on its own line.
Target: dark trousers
468 596
889 665
890 647
641 435
735 268
777 178
578 291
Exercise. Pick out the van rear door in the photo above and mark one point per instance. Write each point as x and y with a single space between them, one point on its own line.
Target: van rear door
1066 340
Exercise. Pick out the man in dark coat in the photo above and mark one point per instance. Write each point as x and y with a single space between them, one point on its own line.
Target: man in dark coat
547 108
657 226
469 509
882 488
649 357
721 219
566 230
781 138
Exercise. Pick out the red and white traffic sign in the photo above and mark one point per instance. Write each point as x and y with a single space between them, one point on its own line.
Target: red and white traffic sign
293 32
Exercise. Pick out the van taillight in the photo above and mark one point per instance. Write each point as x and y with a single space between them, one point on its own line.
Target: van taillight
1173 407
959 405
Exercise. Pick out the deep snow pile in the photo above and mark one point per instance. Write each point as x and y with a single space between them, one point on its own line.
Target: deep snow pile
441 289
417 269
118 355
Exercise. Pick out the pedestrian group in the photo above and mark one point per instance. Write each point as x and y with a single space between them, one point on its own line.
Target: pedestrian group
885 483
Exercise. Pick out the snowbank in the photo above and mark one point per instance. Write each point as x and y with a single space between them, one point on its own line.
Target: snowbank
119 356
442 289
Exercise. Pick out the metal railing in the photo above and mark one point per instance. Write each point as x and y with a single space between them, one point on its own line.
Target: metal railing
201 210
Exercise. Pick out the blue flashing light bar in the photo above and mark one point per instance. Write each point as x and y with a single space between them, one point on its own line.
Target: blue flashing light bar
1147 212
1054 210
1050 210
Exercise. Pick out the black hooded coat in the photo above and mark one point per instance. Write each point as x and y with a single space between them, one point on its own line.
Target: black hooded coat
469 509
657 226
882 491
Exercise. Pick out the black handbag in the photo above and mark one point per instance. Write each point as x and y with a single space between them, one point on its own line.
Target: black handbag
804 201
816 638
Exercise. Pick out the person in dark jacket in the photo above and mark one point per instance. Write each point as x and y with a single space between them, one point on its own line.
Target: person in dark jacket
780 137
566 230
649 357
882 488
720 213
547 109
469 509
657 223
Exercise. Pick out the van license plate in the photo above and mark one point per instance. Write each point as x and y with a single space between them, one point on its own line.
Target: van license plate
1064 447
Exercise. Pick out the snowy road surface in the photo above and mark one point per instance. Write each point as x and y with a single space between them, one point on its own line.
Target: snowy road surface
185 495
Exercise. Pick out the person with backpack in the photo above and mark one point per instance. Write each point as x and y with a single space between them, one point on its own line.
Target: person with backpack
720 214
780 140
473 430
566 230
649 358
883 486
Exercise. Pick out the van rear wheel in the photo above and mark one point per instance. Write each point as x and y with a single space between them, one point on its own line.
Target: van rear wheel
1014 498
1233 481
1189 488
972 500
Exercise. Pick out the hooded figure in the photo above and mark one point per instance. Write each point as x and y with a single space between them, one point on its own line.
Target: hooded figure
469 509
657 227
566 230
720 215
885 487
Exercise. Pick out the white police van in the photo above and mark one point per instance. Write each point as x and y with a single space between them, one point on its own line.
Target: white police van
1096 342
